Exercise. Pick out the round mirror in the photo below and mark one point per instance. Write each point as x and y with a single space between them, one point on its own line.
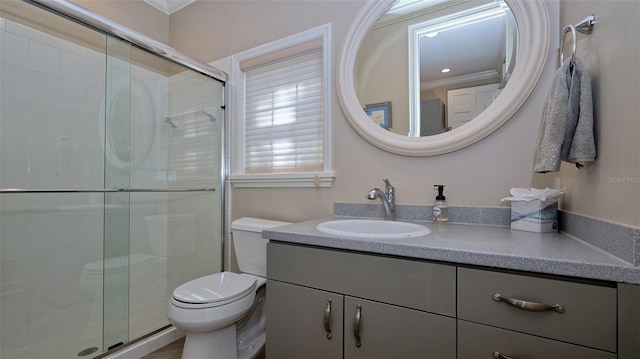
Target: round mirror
390 83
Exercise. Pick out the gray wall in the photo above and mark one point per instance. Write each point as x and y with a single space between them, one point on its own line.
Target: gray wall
610 187
479 175
136 15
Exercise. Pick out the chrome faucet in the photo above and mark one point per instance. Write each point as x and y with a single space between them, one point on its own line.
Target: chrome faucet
388 199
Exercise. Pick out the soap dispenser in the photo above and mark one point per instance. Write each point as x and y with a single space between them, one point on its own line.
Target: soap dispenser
440 207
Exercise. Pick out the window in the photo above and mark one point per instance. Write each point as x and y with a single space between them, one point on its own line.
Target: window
284 127
280 117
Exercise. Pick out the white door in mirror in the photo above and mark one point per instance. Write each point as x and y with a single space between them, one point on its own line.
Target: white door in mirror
466 103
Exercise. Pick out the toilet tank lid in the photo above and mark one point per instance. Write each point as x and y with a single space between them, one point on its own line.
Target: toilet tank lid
255 224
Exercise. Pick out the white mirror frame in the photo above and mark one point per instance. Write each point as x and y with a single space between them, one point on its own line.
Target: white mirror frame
532 20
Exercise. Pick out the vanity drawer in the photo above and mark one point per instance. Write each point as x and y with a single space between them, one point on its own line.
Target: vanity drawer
589 316
409 283
477 341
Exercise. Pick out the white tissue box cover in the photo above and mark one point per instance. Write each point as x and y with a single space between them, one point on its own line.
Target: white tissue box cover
535 215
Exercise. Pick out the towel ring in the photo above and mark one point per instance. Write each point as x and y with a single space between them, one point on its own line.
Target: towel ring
565 30
584 27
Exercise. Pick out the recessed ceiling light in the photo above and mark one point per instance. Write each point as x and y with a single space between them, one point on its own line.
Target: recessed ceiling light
432 34
445 70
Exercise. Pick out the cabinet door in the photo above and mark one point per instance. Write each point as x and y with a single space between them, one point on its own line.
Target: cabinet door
388 331
477 341
299 320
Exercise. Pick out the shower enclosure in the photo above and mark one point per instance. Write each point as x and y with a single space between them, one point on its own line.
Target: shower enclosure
111 184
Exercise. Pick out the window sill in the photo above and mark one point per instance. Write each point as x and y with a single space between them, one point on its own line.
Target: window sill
303 179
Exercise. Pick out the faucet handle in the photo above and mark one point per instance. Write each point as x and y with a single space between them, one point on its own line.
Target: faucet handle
388 187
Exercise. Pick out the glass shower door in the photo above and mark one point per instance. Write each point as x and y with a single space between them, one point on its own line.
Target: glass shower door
51 244
123 147
177 141
163 139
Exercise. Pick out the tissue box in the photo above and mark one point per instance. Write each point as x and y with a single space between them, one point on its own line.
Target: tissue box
535 215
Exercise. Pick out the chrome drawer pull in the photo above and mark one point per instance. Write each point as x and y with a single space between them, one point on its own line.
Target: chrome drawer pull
530 306
327 319
356 325
498 355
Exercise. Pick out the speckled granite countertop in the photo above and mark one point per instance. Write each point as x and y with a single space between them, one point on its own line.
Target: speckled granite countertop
490 246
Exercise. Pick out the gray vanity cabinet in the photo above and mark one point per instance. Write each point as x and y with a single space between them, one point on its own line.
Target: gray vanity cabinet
381 307
308 324
405 308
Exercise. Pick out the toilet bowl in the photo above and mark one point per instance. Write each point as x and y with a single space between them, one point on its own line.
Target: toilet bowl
250 333
223 314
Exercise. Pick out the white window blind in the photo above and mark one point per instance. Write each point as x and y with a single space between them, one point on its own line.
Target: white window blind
284 119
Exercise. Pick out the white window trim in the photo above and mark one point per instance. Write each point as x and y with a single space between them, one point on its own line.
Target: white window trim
294 179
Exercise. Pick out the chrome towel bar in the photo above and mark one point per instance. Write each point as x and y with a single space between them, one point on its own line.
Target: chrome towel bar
171 119
103 190
584 27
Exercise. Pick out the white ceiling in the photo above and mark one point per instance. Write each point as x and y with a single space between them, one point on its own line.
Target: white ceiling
472 45
169 6
465 50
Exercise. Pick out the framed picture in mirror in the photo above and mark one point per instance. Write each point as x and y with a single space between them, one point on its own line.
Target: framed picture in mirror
380 113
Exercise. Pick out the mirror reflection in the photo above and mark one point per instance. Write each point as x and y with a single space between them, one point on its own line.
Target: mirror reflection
435 65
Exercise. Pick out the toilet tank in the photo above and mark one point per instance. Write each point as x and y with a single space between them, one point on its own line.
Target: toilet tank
250 247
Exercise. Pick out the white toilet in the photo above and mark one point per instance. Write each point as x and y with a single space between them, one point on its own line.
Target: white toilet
222 314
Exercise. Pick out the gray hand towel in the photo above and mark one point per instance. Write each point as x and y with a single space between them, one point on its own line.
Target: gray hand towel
567 124
582 147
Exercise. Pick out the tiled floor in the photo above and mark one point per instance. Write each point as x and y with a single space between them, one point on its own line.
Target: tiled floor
170 351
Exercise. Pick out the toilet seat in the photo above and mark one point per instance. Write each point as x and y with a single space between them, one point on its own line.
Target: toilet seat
213 290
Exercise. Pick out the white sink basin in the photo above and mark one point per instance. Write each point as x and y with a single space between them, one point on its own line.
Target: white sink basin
372 228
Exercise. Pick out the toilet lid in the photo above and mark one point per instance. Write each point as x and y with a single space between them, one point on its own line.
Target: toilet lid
215 289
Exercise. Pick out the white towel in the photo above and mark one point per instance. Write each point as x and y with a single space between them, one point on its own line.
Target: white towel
567 124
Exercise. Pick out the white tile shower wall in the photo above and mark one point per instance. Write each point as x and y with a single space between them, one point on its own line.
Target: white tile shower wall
196 241
45 144
51 121
149 147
